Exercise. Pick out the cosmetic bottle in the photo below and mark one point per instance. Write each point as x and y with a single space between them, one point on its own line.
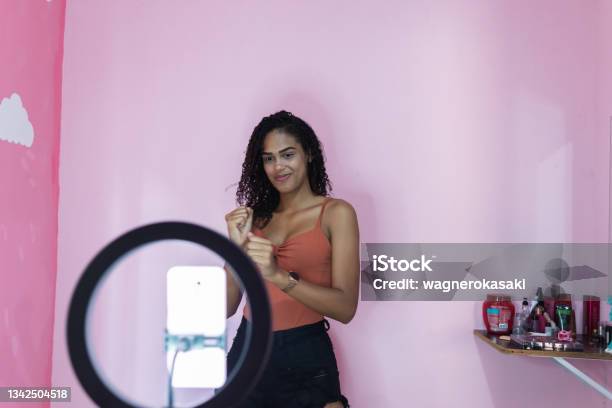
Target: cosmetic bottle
590 315
498 314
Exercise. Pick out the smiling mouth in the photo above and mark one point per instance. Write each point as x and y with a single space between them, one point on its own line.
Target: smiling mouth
282 178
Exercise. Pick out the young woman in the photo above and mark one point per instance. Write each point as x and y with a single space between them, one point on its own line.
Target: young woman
306 247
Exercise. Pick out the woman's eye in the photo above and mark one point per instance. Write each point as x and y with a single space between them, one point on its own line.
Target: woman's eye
267 159
288 155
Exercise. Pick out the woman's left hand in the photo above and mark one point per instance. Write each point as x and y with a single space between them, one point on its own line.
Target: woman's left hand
261 251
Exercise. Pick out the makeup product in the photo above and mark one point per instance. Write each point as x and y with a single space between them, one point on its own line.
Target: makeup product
497 313
608 338
548 330
538 319
564 313
536 299
601 334
590 318
517 328
524 313
549 305
564 335
538 342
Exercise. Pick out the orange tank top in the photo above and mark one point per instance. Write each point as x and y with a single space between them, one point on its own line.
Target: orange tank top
309 254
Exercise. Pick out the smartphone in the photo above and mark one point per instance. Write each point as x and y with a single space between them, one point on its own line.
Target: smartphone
196 305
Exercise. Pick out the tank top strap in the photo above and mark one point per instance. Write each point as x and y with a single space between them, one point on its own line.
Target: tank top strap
327 199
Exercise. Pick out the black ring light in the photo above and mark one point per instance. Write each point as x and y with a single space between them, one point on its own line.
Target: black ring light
252 360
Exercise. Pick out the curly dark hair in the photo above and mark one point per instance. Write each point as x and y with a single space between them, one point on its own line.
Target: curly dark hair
254 188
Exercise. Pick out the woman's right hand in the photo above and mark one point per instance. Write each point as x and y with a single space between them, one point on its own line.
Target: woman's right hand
239 223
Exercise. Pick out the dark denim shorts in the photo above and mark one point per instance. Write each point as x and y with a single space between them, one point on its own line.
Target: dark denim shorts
301 372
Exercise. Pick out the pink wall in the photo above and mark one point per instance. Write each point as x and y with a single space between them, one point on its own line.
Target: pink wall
31 44
465 121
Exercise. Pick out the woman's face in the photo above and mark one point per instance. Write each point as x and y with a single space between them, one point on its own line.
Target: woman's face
284 161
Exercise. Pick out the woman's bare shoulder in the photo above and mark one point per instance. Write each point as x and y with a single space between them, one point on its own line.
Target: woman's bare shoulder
340 211
339 205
